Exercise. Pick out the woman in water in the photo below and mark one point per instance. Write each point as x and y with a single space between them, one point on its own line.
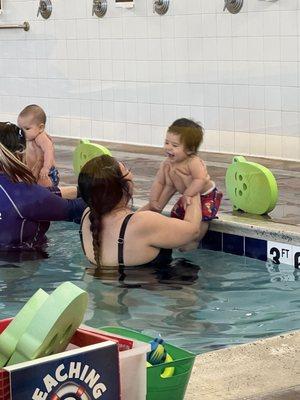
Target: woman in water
112 234
27 208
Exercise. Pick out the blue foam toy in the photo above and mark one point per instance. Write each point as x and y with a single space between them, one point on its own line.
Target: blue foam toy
157 354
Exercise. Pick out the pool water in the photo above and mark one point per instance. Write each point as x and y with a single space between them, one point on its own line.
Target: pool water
206 301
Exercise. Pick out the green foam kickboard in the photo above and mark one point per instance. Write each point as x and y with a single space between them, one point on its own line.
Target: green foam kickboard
251 187
53 325
86 151
11 335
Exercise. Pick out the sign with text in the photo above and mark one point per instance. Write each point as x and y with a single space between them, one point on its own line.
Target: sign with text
86 373
282 253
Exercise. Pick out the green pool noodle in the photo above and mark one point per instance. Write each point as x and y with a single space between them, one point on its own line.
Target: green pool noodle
53 325
11 335
251 187
86 151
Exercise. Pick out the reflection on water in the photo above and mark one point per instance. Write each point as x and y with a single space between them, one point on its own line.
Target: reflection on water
204 301
178 273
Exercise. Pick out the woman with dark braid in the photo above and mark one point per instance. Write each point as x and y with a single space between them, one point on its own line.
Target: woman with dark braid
112 235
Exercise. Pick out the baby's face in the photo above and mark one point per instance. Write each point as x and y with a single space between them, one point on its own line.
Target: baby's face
30 127
174 150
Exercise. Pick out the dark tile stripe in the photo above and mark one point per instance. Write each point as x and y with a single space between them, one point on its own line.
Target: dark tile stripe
256 248
233 244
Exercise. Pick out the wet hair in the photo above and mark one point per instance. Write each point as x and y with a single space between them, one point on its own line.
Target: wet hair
12 147
190 132
102 186
37 113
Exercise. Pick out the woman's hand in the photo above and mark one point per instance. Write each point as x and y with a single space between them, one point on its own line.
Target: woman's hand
155 206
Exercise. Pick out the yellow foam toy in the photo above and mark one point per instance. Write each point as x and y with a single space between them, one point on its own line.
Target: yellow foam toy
168 371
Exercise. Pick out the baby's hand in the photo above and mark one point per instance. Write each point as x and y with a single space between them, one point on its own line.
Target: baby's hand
44 172
186 201
154 206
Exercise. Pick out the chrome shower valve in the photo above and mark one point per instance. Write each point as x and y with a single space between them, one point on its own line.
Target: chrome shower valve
99 8
45 9
161 6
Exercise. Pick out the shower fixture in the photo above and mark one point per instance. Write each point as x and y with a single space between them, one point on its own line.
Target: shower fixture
233 6
99 8
45 8
161 6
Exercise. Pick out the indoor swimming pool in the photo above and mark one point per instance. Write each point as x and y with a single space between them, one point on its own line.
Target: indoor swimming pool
206 301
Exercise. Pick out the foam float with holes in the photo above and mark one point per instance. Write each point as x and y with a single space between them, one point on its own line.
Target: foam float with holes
251 187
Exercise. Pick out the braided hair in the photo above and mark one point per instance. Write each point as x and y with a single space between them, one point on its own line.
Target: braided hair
102 186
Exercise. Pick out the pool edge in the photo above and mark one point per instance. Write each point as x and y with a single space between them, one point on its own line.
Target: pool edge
262 369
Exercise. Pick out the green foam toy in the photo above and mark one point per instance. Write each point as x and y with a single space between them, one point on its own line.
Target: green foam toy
11 335
86 151
251 187
53 324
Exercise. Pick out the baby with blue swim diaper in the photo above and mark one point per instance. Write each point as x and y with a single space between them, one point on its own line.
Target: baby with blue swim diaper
39 156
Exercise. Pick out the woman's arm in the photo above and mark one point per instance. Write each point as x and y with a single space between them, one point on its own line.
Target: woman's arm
165 232
39 204
69 192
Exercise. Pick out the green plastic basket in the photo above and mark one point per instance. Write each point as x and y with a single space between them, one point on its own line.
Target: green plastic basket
158 388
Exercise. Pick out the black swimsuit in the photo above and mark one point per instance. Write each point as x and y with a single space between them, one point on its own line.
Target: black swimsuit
163 257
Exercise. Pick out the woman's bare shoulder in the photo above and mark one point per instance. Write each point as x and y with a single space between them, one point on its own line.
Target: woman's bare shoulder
147 218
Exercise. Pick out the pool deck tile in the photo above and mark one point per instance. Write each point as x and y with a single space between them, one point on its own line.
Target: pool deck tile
289 394
267 369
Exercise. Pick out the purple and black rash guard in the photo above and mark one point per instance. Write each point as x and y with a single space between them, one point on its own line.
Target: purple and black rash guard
25 212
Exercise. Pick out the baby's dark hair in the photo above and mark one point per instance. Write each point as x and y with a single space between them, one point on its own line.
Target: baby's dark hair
190 132
38 114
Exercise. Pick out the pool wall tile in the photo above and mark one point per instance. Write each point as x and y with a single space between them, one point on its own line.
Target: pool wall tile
256 248
233 244
212 241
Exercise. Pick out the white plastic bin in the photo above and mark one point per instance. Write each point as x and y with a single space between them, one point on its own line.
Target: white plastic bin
132 368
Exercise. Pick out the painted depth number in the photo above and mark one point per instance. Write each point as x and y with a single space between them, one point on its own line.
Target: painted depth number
281 253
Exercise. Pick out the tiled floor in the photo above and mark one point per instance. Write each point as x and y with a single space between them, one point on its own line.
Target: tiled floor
144 162
288 394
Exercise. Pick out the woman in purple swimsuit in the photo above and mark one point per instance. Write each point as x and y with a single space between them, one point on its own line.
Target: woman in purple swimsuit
26 208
